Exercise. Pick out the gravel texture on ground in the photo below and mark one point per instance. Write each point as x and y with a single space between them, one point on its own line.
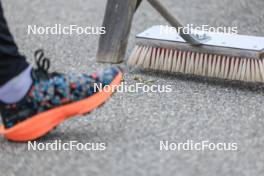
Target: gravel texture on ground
133 124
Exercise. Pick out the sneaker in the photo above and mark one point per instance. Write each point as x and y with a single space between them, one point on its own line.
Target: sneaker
53 98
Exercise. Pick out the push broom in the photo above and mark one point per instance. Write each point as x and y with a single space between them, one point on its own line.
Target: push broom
226 56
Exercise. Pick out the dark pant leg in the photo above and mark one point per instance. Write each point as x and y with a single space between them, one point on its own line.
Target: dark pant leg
11 61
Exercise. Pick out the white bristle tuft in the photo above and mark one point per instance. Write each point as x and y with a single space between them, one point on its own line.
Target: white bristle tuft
146 62
156 66
153 58
134 56
188 62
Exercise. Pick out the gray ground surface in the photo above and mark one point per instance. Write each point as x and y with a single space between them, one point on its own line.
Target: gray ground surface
132 124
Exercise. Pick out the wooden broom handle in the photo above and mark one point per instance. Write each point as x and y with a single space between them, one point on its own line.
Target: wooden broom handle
261 54
174 22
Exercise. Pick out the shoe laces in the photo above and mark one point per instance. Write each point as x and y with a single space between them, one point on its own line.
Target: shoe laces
43 65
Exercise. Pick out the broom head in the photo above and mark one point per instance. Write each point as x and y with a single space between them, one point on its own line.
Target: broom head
226 56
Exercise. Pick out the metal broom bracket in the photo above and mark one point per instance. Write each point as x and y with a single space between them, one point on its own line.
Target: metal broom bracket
190 38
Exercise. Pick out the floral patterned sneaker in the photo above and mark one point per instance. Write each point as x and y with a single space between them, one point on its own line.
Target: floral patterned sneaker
54 97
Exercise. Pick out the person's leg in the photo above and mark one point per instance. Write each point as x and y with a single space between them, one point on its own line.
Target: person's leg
11 61
33 101
55 97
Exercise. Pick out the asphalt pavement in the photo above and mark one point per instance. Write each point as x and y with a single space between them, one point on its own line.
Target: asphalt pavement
133 124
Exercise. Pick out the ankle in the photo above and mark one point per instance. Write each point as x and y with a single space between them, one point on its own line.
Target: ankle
16 88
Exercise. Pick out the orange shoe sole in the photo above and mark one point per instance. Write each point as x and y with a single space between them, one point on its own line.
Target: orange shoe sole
40 124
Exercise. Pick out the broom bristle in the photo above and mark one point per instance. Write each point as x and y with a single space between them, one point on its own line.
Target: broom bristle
189 62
